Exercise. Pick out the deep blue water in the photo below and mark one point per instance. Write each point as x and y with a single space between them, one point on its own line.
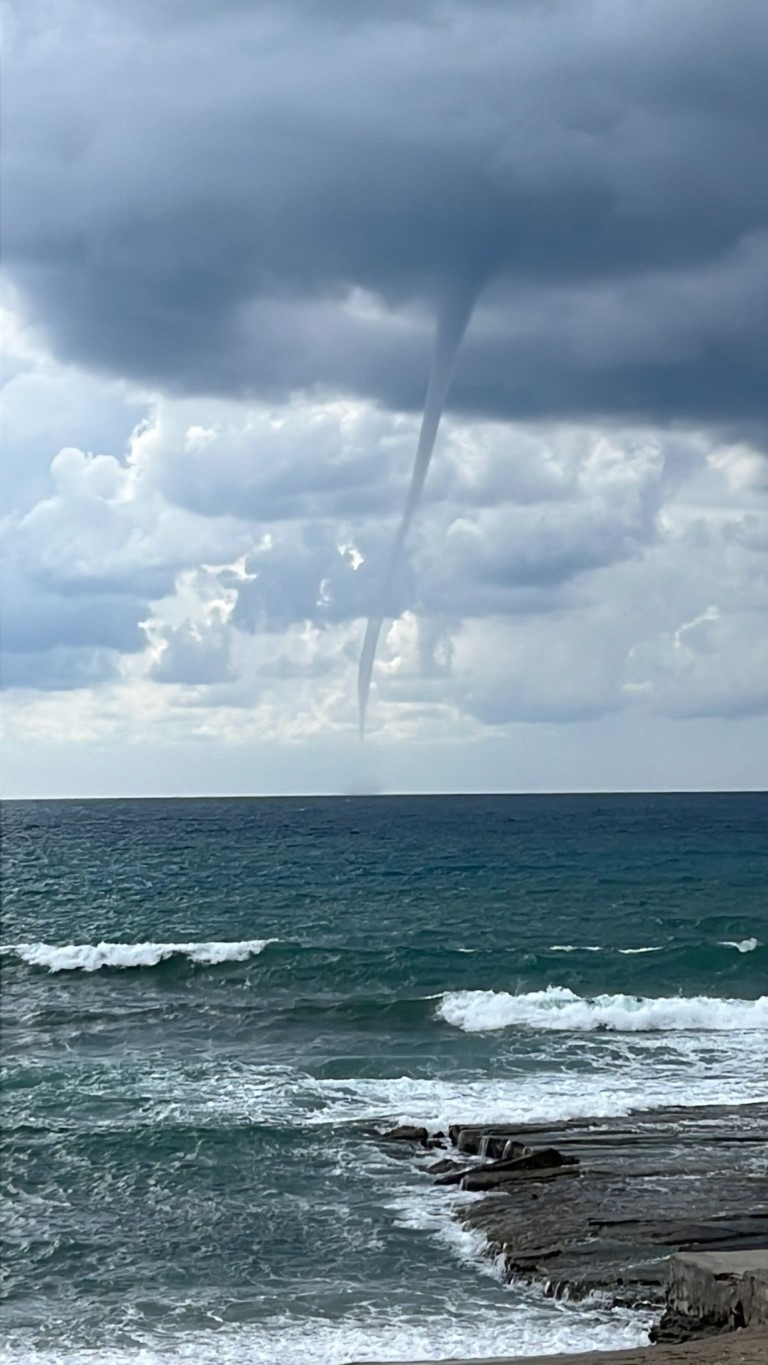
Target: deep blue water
209 1006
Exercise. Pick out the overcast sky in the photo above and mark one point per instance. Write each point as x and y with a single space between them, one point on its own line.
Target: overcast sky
229 225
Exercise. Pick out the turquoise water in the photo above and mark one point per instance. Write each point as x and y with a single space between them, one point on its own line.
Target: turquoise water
209 1007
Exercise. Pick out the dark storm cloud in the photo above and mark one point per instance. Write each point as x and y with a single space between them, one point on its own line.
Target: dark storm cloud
194 191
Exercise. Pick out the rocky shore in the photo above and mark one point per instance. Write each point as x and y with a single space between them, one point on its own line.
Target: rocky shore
598 1207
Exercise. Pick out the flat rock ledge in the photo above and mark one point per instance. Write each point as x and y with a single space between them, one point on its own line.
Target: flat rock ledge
598 1207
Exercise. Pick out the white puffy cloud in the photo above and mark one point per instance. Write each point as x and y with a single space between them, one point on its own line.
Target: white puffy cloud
301 459
205 580
714 664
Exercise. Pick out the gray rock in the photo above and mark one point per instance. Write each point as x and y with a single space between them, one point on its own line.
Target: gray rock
444 1166
494 1143
548 1161
454 1175
712 1292
664 1180
533 1159
488 1178
408 1133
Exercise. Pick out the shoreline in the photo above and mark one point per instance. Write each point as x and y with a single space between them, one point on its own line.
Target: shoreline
663 1210
732 1348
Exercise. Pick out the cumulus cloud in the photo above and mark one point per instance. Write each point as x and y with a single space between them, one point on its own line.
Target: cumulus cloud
714 664
279 462
193 655
554 571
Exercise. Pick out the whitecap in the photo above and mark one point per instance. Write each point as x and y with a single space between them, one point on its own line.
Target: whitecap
746 945
91 957
559 1008
576 948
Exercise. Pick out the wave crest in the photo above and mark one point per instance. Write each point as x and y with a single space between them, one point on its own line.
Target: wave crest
558 1008
747 945
91 957
576 948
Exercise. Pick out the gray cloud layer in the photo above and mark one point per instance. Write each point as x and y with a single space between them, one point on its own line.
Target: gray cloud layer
198 192
220 198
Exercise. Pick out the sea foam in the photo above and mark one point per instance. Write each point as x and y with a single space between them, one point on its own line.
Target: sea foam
561 1009
746 945
91 957
460 1331
595 948
576 948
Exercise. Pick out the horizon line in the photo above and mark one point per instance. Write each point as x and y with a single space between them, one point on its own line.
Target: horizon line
388 795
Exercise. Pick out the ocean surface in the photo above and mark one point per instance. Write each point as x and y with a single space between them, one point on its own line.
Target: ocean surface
210 1006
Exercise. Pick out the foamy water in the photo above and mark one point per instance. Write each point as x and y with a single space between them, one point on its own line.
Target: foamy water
457 1333
559 1008
92 957
747 945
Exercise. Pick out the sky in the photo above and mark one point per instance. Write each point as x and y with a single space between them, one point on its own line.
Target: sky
229 228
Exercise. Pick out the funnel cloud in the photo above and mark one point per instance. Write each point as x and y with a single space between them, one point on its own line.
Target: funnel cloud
453 317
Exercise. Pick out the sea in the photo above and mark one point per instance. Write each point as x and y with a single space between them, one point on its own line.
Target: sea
212 1008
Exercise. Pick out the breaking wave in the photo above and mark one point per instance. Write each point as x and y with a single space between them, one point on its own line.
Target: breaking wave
461 1330
91 957
576 948
747 945
631 952
560 1008
595 948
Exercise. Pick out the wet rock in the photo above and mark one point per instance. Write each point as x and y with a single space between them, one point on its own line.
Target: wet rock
533 1159
446 1166
408 1133
665 1180
489 1178
496 1144
454 1175
543 1163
